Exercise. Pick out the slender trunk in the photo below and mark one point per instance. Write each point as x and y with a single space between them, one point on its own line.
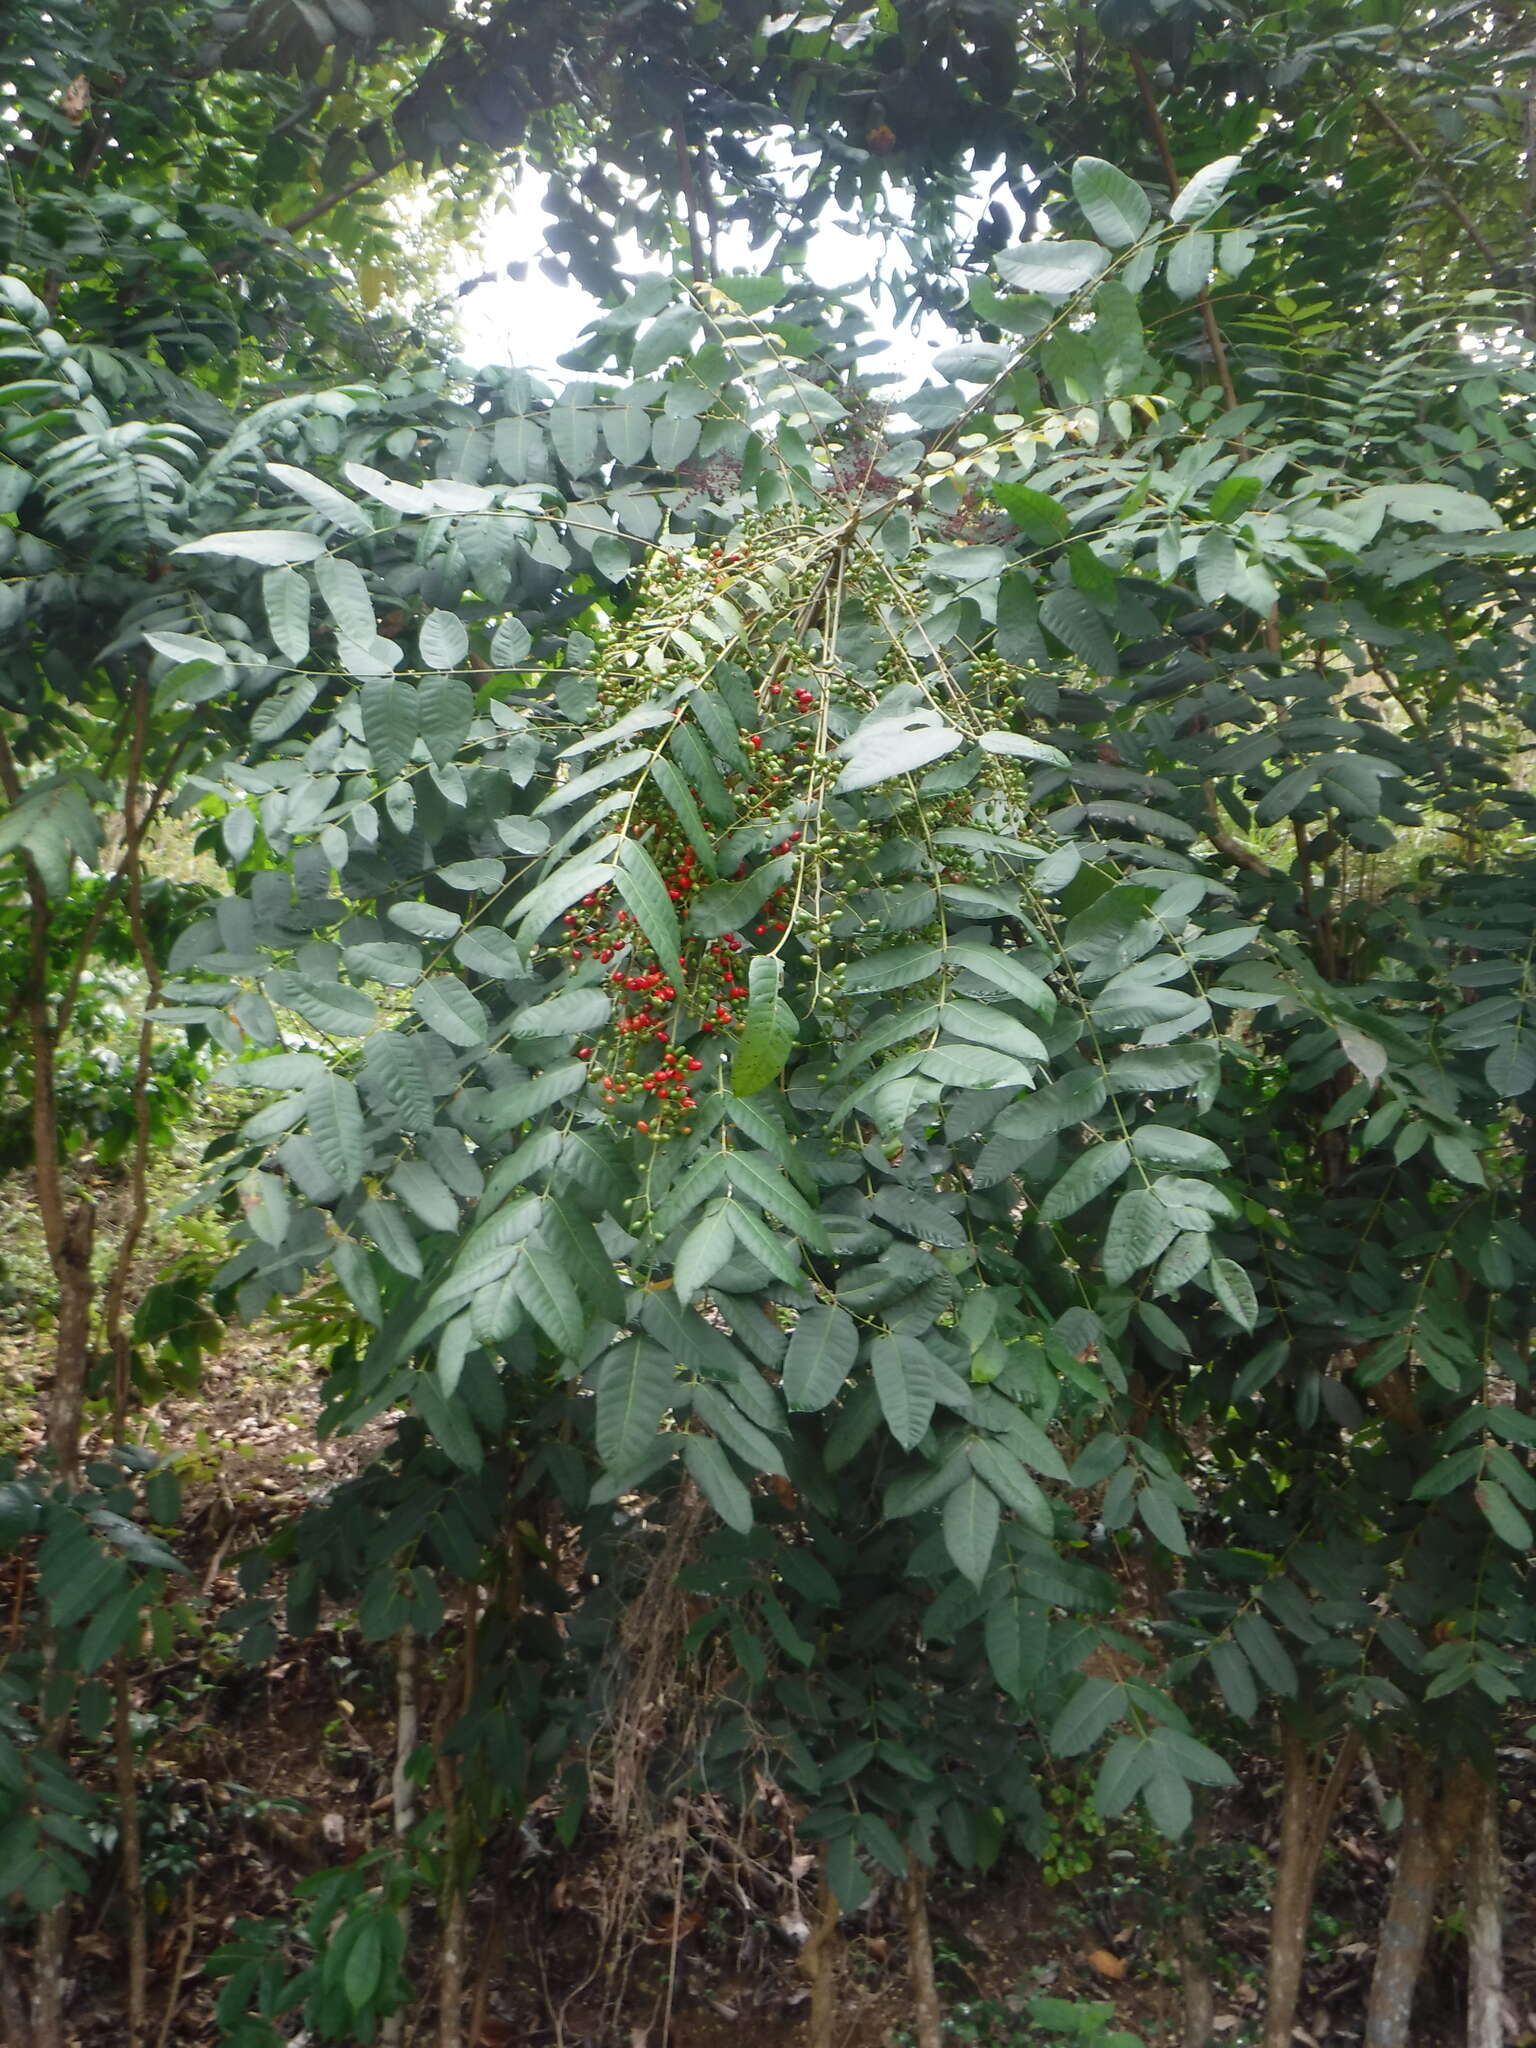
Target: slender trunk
1194 1944
403 1790
137 818
1306 1813
48 1979
925 1990
1485 1925
453 1901
1432 1832
818 1961
130 1854
1410 1914
1195 1973
451 1970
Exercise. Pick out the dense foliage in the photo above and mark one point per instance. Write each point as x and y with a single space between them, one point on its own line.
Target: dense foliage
909 1018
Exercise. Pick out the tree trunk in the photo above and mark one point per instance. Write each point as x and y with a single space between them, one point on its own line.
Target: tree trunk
1195 1976
818 1962
450 1978
403 1790
1432 1832
1306 1813
925 1990
1191 1936
1485 1925
130 1855
48 1979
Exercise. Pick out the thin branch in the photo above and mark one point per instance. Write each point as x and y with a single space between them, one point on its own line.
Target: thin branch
1400 135
339 198
1234 849
1213 338
320 207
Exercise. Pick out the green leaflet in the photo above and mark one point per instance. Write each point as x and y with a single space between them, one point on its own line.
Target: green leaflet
1016 1637
1002 1473
1093 1709
757 1181
285 597
445 710
986 1025
544 1288
634 1385
444 1003
1089 1176
730 906
1140 1231
567 885
906 1386
443 640
883 748
1008 975
770 1029
760 1241
1075 1099
423 1191
821 1354
1234 1290
679 800
335 1119
1113 205
706 1248
716 1478
971 1519
639 883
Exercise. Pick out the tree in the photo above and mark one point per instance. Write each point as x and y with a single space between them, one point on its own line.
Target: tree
876 979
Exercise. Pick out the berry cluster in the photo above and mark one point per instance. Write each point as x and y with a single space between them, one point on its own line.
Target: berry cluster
665 1015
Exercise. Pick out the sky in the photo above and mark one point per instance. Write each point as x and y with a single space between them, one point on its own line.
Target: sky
534 322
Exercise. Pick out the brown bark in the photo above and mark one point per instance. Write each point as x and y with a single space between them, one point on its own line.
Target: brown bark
926 2010
1485 1924
137 818
1195 1978
818 1962
451 1971
130 1856
48 1979
1306 1814
1432 1832
403 1790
